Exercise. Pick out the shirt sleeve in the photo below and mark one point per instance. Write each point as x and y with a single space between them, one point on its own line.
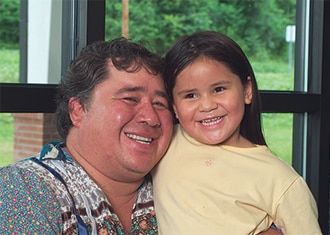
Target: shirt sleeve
27 205
297 210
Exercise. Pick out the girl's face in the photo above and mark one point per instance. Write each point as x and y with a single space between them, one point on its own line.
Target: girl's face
209 102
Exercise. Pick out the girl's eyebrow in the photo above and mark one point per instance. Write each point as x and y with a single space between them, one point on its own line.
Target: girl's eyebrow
185 91
220 83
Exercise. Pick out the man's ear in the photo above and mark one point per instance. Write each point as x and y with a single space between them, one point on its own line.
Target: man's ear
248 91
76 111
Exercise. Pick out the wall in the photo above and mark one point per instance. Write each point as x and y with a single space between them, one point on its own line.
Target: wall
31 132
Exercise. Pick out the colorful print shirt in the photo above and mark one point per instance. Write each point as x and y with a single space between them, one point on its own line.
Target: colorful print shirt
34 201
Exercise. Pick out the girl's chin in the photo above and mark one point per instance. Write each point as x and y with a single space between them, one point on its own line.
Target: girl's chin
211 140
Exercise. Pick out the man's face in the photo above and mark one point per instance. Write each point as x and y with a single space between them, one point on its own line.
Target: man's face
126 127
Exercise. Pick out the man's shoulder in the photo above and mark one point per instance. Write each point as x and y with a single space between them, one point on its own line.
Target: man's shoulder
19 176
17 169
26 199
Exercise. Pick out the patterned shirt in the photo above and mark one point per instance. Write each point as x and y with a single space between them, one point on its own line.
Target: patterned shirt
33 200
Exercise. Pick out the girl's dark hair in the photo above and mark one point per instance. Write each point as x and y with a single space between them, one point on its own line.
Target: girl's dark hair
219 47
91 67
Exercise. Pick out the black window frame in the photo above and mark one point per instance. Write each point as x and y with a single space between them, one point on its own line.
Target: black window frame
313 105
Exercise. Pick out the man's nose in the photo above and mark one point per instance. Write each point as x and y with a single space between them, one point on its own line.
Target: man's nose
147 114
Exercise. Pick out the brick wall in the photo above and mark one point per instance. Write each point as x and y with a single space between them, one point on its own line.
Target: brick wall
31 132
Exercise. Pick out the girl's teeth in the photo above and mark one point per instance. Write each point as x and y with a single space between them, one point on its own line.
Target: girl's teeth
210 122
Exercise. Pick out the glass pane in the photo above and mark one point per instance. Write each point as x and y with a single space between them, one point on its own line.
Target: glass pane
9 60
9 41
258 26
277 129
38 42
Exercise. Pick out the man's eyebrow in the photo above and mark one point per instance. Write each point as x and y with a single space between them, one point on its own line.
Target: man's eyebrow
160 93
130 89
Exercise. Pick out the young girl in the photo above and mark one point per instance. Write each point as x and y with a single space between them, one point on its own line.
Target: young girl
218 176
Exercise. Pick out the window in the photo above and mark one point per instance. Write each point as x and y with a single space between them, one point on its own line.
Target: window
299 96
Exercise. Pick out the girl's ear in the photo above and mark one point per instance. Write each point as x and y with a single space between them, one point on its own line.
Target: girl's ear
248 91
76 111
174 109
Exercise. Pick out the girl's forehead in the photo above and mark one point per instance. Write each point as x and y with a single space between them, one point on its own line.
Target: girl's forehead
206 72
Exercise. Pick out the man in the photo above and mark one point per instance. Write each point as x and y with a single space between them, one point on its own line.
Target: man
114 120
115 123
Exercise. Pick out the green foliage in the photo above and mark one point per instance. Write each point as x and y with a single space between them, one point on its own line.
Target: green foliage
9 21
257 26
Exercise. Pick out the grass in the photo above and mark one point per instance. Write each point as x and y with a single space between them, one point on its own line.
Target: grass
278 133
6 138
275 75
9 73
9 60
270 75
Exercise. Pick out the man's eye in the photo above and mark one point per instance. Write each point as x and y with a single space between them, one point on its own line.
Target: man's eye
160 105
130 99
190 96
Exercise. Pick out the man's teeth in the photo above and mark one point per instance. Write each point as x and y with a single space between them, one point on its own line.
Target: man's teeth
210 122
140 139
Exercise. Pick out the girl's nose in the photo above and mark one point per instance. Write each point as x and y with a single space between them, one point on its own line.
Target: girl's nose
207 104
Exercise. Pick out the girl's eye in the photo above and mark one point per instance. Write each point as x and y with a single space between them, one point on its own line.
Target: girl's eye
219 89
190 96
